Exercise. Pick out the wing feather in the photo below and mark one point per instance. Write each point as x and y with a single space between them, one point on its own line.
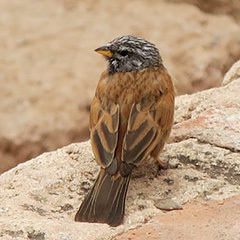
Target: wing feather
104 133
141 132
148 129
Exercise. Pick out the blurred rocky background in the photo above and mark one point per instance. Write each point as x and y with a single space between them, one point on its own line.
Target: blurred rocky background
49 71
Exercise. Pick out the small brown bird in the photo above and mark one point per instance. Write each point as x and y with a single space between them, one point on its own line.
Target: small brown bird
130 120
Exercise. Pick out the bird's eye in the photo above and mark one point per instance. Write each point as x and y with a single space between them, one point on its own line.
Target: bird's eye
124 53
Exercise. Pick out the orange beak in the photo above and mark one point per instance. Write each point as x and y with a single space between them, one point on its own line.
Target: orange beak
104 50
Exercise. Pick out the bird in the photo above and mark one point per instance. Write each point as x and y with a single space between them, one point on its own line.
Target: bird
131 117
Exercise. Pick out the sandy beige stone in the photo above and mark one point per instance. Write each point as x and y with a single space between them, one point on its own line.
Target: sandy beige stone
232 74
198 221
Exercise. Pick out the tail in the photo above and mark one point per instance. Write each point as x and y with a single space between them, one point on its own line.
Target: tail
105 203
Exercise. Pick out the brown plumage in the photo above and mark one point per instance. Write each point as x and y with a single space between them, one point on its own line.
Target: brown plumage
130 120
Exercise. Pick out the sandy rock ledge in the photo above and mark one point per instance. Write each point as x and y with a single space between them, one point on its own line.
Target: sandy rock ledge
38 199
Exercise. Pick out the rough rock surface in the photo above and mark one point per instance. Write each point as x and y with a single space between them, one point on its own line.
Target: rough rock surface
38 199
198 221
48 69
232 74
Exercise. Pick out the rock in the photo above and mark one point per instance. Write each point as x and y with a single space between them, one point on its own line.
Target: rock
232 74
41 196
198 221
210 117
48 69
168 205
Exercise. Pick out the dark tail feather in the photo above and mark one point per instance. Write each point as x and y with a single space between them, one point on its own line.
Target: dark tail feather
105 203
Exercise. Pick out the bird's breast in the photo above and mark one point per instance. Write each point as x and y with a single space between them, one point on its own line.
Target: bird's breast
129 87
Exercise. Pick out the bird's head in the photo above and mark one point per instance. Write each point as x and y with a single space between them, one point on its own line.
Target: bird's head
129 53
